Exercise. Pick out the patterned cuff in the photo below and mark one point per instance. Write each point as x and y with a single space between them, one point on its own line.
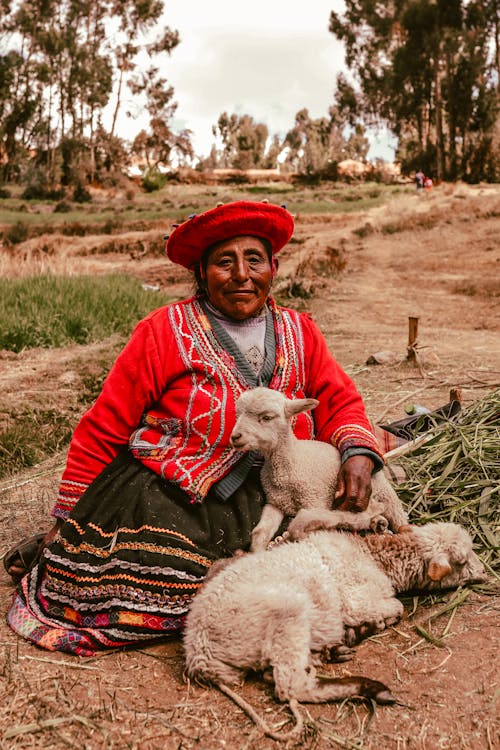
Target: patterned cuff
69 494
354 436
377 460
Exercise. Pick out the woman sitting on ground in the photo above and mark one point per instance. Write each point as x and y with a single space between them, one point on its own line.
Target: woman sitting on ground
153 493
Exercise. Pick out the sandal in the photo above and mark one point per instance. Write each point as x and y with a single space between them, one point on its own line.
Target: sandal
27 552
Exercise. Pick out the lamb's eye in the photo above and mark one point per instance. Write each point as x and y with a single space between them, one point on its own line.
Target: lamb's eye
266 417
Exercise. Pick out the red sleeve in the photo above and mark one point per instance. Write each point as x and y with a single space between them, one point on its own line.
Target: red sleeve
134 383
340 417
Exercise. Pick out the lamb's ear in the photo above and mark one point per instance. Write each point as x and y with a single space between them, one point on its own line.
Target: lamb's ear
298 405
438 567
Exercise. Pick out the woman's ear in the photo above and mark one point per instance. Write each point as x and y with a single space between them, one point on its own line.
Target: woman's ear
203 275
275 264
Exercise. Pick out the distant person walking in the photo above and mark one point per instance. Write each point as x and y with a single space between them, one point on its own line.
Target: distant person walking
419 180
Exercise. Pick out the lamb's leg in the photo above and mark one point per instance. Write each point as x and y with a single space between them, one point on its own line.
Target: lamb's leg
308 520
295 678
269 523
339 688
293 671
384 493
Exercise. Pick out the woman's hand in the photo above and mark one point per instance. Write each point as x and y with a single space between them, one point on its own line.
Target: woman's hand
354 484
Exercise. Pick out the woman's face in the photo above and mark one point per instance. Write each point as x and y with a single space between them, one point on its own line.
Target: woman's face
238 276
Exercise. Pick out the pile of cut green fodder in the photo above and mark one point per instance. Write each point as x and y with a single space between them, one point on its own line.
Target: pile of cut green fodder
455 476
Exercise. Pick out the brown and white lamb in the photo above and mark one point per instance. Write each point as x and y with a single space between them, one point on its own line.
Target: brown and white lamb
301 473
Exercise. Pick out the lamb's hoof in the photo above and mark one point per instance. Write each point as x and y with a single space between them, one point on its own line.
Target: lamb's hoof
296 533
337 654
267 676
281 539
357 633
390 621
379 524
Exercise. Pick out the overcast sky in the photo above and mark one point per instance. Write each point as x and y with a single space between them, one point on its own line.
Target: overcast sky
264 58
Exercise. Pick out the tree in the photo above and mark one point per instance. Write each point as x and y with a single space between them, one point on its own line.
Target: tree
21 113
136 18
308 143
243 141
316 145
61 61
273 150
426 69
158 145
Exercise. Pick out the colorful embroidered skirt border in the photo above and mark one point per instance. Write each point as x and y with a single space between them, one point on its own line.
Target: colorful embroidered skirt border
128 561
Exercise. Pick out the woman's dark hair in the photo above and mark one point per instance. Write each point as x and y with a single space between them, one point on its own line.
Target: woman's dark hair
200 287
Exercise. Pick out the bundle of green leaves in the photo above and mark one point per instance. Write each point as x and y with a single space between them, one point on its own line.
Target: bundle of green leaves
455 476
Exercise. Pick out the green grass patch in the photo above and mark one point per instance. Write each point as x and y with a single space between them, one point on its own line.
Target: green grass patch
280 188
52 311
100 221
34 435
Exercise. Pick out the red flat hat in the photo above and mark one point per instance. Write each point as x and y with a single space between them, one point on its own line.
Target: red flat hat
189 240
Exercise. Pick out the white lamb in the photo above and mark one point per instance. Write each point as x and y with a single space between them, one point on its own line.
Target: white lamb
279 609
301 473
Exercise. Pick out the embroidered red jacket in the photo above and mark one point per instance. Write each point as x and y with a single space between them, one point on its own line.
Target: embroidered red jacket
170 396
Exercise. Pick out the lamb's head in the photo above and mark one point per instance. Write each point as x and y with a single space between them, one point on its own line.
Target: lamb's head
447 552
263 419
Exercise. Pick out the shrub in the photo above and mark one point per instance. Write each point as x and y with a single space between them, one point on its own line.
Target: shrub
18 232
63 207
39 191
364 231
81 194
153 180
111 225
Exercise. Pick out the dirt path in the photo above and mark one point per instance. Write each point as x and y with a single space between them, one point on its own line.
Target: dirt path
437 259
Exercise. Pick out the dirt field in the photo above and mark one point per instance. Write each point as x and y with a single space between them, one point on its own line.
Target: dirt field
436 257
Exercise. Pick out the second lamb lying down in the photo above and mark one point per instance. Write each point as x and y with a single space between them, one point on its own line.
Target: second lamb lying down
301 473
281 608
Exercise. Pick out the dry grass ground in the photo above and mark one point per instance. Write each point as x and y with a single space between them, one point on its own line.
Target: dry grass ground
435 256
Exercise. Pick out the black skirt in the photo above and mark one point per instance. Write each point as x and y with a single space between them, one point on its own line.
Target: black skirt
129 559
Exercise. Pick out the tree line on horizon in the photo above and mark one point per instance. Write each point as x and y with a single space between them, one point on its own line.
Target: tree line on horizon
429 70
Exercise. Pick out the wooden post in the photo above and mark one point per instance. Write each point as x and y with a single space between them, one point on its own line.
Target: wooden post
456 394
412 337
